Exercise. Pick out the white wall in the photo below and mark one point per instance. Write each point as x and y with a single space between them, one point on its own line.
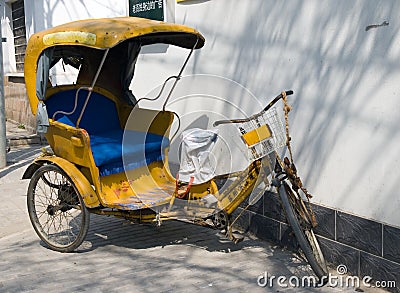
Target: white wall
346 80
44 14
8 46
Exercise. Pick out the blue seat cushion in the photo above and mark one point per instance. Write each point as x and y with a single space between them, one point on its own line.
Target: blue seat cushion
115 151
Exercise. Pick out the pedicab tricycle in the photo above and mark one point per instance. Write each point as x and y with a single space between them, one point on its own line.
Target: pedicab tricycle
109 156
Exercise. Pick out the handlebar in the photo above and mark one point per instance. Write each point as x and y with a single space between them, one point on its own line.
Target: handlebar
276 99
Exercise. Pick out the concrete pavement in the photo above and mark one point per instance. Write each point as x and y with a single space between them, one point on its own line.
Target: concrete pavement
118 256
12 189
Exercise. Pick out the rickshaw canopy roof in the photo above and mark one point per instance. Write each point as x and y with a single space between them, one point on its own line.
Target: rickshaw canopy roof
104 33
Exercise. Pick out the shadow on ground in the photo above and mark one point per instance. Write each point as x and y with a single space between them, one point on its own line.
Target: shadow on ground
106 231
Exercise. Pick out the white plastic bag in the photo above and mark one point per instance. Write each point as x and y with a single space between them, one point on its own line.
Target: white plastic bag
195 156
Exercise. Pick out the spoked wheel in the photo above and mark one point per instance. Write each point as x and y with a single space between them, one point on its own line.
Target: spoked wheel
56 209
299 218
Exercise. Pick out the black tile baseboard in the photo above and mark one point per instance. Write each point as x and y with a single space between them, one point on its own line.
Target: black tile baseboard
391 243
326 219
365 246
358 232
386 272
242 219
340 254
265 228
287 238
273 207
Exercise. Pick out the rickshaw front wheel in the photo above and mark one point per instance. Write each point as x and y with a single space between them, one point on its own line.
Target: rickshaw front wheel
300 223
56 209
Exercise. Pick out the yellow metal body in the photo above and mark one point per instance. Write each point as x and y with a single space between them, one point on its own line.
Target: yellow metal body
241 187
73 145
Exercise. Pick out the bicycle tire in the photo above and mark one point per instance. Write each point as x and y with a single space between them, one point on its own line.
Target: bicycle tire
305 236
56 209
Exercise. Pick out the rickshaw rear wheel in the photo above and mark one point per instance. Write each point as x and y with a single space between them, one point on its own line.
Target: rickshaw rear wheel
56 209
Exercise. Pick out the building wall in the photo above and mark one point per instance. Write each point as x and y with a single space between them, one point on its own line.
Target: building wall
343 72
17 107
43 14
343 66
7 34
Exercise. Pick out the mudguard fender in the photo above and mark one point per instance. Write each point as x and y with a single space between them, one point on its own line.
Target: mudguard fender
82 184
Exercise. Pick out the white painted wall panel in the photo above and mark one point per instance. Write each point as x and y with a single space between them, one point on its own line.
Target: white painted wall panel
346 80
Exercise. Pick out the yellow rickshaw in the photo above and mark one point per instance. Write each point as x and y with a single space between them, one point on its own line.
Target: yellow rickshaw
109 156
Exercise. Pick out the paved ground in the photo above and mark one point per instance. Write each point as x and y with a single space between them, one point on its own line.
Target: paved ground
121 257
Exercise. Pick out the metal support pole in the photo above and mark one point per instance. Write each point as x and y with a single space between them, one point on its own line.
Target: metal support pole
3 140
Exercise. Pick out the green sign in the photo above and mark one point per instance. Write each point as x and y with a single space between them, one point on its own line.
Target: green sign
152 9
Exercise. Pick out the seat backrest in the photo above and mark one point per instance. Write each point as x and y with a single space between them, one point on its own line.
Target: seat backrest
100 115
152 121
